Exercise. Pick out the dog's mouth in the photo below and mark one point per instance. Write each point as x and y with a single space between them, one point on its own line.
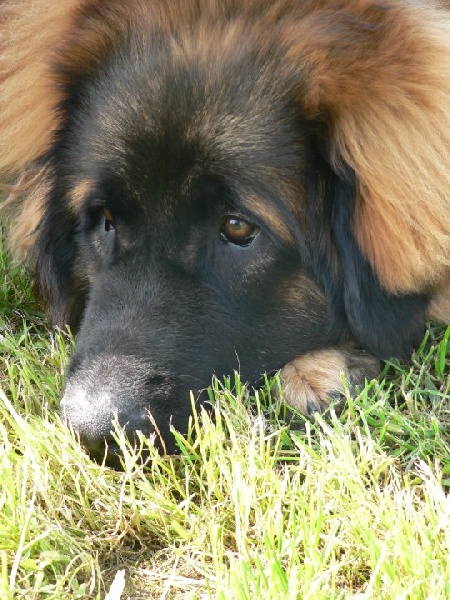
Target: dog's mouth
111 453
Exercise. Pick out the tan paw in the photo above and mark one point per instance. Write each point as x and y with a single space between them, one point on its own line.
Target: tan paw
313 380
439 307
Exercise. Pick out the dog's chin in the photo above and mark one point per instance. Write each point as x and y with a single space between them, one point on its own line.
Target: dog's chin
112 454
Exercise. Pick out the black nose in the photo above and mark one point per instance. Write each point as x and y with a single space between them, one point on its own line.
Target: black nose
93 417
117 389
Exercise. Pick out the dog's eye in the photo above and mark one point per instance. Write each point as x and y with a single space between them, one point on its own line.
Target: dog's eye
238 231
108 220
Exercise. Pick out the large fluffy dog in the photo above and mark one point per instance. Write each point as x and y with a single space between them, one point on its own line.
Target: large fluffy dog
209 185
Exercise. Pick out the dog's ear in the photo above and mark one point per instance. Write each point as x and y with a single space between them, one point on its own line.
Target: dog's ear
29 97
387 324
60 281
375 74
375 88
31 35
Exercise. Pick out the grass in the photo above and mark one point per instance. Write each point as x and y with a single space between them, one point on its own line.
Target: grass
354 506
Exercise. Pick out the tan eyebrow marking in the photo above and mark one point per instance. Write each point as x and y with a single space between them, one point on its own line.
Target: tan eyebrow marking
79 193
269 215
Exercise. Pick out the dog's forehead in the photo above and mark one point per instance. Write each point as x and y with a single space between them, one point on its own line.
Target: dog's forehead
162 116
158 121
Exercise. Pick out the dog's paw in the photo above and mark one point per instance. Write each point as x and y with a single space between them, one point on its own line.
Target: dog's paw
314 380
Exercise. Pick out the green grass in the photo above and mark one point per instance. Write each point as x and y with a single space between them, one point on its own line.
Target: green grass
348 507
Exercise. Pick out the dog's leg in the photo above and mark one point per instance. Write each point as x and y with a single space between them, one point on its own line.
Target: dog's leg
313 380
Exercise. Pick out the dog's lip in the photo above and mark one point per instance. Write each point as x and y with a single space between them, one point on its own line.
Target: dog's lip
111 454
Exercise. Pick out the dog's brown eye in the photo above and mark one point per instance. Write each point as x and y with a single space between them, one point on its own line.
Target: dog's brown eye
108 220
238 231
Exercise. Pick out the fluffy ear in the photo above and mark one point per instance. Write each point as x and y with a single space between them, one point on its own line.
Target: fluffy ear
43 239
59 282
31 34
386 324
376 75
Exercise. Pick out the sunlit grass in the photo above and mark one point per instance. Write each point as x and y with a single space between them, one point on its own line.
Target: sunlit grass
255 506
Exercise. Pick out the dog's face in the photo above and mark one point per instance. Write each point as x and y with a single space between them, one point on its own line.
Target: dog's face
189 189
214 196
180 240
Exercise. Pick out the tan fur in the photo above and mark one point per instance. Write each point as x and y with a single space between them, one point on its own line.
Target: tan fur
23 208
79 193
379 74
31 33
308 381
313 380
269 215
439 307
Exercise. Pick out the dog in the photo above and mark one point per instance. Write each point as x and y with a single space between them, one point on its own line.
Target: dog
204 187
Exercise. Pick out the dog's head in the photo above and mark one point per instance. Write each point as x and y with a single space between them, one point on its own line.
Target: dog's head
226 188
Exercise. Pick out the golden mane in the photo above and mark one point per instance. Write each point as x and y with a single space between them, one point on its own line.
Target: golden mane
377 72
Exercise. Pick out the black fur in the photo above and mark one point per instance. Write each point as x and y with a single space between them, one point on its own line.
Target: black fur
170 148
385 324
